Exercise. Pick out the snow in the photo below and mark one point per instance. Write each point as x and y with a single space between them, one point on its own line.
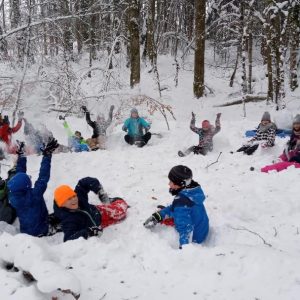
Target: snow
252 251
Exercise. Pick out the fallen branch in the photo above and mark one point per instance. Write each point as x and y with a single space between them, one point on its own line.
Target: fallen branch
248 98
213 162
253 232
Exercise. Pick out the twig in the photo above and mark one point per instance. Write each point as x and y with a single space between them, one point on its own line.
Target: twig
214 161
275 231
104 295
253 232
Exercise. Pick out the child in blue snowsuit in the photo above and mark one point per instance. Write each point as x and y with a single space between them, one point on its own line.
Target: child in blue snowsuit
187 209
29 202
75 141
134 126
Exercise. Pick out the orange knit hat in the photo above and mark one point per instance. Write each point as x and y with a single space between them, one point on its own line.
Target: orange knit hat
62 194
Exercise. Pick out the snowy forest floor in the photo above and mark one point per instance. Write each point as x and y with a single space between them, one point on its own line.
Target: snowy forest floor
252 251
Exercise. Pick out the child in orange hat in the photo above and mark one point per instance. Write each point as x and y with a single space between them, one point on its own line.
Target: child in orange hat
78 217
206 134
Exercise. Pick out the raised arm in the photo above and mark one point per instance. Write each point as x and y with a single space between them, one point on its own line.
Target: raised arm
192 125
17 127
40 185
86 185
68 129
217 124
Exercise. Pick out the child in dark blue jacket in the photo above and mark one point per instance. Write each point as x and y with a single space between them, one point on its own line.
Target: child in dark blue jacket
78 217
29 202
187 209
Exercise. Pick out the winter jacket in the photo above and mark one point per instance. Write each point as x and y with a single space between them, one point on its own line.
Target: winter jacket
75 222
292 150
29 202
6 131
189 214
75 143
206 136
135 126
263 134
99 127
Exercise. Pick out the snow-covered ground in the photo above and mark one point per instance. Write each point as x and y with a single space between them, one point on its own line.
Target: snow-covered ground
252 251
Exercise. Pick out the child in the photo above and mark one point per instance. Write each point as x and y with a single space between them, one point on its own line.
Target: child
33 138
291 154
187 209
75 140
99 126
78 217
265 134
29 202
134 126
206 134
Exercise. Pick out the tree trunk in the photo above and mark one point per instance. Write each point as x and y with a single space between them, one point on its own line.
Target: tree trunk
200 48
133 27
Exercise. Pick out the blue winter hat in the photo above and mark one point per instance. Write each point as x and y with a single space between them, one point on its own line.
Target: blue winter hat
19 183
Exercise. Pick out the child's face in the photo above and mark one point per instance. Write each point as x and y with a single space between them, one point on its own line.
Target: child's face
174 186
134 115
78 135
72 203
296 126
265 122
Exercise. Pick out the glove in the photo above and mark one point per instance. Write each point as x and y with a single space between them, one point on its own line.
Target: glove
153 220
5 120
102 195
20 114
124 128
112 107
84 109
50 147
61 118
218 115
193 116
95 231
21 148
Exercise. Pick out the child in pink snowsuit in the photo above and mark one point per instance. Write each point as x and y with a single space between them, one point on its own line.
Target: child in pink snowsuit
291 154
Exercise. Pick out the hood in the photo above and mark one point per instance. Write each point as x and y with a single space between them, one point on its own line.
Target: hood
194 193
21 182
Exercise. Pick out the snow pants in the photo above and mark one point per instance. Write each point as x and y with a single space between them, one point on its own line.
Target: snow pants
280 166
144 139
97 143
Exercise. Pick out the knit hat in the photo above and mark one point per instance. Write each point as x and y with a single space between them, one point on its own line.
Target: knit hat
62 194
21 182
266 116
134 111
296 119
205 124
181 175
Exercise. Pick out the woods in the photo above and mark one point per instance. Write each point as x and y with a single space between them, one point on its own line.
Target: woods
134 34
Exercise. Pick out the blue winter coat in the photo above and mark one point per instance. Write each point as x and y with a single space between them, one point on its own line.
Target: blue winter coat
29 202
75 222
189 214
135 126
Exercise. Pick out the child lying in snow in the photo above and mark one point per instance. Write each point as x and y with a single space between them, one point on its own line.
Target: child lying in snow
291 154
78 217
206 134
187 208
266 133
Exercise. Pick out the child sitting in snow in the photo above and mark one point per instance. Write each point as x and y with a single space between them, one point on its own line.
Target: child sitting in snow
29 202
206 134
187 209
265 136
75 141
135 126
78 217
291 154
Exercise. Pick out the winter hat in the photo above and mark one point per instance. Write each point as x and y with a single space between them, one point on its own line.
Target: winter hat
205 124
62 194
266 116
296 119
19 183
134 110
181 175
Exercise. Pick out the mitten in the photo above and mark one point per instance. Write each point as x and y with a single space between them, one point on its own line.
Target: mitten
20 114
21 148
5 120
84 108
50 147
103 196
193 115
112 107
95 231
153 220
218 115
